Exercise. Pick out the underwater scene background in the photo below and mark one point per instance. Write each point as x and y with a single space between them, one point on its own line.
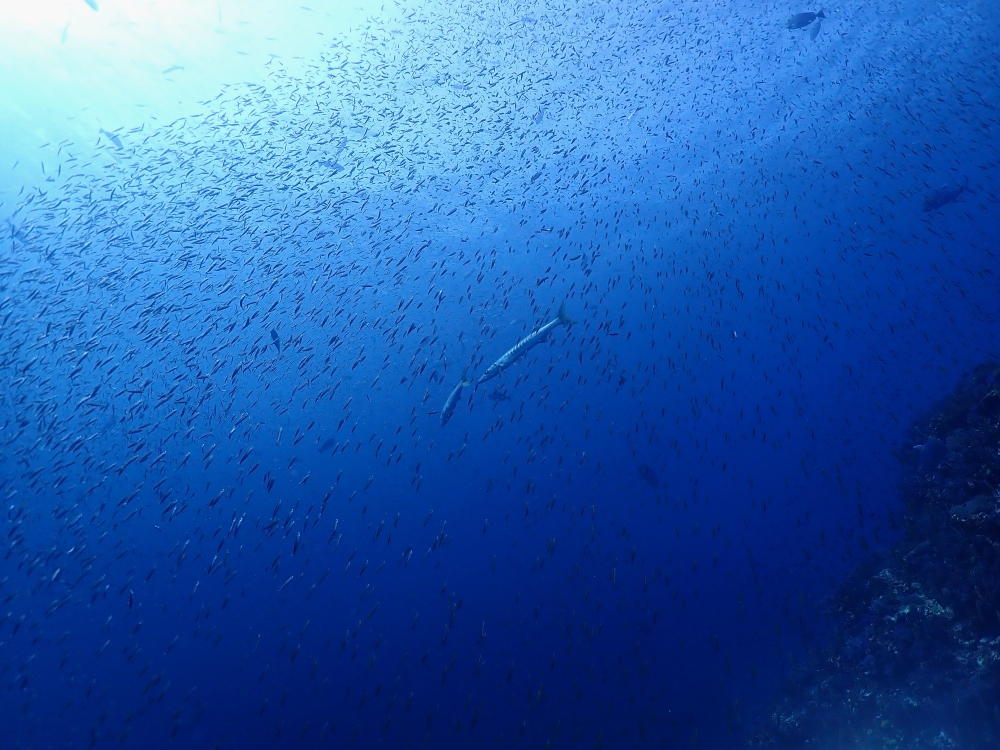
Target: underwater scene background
499 374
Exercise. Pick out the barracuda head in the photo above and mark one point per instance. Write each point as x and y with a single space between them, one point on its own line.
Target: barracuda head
490 373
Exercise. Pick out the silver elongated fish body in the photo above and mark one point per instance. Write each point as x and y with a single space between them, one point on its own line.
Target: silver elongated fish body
525 345
452 401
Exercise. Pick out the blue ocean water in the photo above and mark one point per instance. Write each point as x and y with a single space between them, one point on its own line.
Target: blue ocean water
249 252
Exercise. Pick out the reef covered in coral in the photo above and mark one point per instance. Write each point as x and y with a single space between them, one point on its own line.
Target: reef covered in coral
915 658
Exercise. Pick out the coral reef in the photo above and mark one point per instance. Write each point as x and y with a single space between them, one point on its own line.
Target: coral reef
915 659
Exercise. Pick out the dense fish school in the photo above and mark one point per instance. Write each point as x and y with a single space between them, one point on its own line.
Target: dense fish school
249 496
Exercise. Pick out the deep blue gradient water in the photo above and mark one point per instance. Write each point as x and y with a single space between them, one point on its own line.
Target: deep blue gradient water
231 514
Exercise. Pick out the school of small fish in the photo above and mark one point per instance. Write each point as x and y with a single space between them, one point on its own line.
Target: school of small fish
441 396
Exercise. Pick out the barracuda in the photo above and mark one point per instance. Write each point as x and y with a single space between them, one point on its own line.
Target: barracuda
523 346
452 401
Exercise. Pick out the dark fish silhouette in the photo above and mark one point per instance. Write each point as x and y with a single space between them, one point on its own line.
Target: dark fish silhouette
276 340
931 453
111 136
649 476
801 20
944 195
497 396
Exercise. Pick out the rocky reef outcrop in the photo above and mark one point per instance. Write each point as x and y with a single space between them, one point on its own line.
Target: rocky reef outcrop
915 659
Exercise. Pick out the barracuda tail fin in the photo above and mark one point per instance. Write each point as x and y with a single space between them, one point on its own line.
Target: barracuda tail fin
465 379
565 319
